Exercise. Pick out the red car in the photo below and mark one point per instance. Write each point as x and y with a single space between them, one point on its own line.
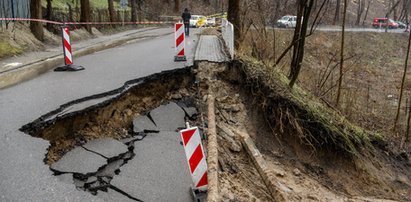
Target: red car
382 22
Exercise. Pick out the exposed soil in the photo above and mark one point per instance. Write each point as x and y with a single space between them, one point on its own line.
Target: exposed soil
317 175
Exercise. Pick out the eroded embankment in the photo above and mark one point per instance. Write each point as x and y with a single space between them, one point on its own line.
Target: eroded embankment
310 148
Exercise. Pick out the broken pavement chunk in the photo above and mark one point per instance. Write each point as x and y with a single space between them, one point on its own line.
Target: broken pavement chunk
168 117
190 111
106 147
79 160
143 123
110 169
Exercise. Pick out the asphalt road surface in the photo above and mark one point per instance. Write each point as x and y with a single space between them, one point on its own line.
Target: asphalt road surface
23 174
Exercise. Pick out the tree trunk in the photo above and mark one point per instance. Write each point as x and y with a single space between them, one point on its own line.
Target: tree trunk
177 6
341 54
402 82
70 18
337 12
49 13
305 8
296 38
360 10
140 10
233 16
133 11
85 13
36 27
366 12
111 12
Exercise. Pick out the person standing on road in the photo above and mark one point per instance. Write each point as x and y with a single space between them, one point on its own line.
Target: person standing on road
186 19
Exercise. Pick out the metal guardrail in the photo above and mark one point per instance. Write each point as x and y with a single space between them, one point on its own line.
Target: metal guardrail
228 35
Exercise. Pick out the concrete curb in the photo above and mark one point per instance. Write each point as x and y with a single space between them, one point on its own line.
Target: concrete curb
269 179
212 157
29 71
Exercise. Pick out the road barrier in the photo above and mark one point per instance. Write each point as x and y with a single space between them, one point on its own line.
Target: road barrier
196 160
227 30
180 42
68 56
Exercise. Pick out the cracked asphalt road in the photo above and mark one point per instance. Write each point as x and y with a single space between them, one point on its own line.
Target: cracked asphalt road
23 174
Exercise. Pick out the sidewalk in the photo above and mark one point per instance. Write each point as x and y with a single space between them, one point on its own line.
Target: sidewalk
16 69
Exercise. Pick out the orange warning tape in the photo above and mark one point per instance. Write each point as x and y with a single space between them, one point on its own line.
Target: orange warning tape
83 23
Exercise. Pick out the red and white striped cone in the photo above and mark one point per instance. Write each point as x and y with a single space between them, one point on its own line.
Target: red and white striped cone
68 57
196 160
180 42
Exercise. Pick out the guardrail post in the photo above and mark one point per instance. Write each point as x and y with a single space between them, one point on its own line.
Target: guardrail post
228 35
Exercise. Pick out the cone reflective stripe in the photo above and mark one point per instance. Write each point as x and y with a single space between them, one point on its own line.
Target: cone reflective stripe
180 39
68 58
180 42
195 157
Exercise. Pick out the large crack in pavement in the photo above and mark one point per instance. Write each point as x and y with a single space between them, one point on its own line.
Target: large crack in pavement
109 141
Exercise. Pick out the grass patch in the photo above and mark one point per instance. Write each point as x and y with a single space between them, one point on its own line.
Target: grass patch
6 49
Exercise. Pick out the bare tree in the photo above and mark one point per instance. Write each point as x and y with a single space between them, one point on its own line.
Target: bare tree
140 10
133 11
85 13
233 15
111 12
366 12
402 82
300 32
36 27
341 55
360 11
296 39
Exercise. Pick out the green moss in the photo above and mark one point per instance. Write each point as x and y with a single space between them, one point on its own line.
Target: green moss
6 49
339 131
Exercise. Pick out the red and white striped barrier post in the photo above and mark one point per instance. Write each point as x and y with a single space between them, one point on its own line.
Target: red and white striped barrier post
68 56
180 42
196 160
